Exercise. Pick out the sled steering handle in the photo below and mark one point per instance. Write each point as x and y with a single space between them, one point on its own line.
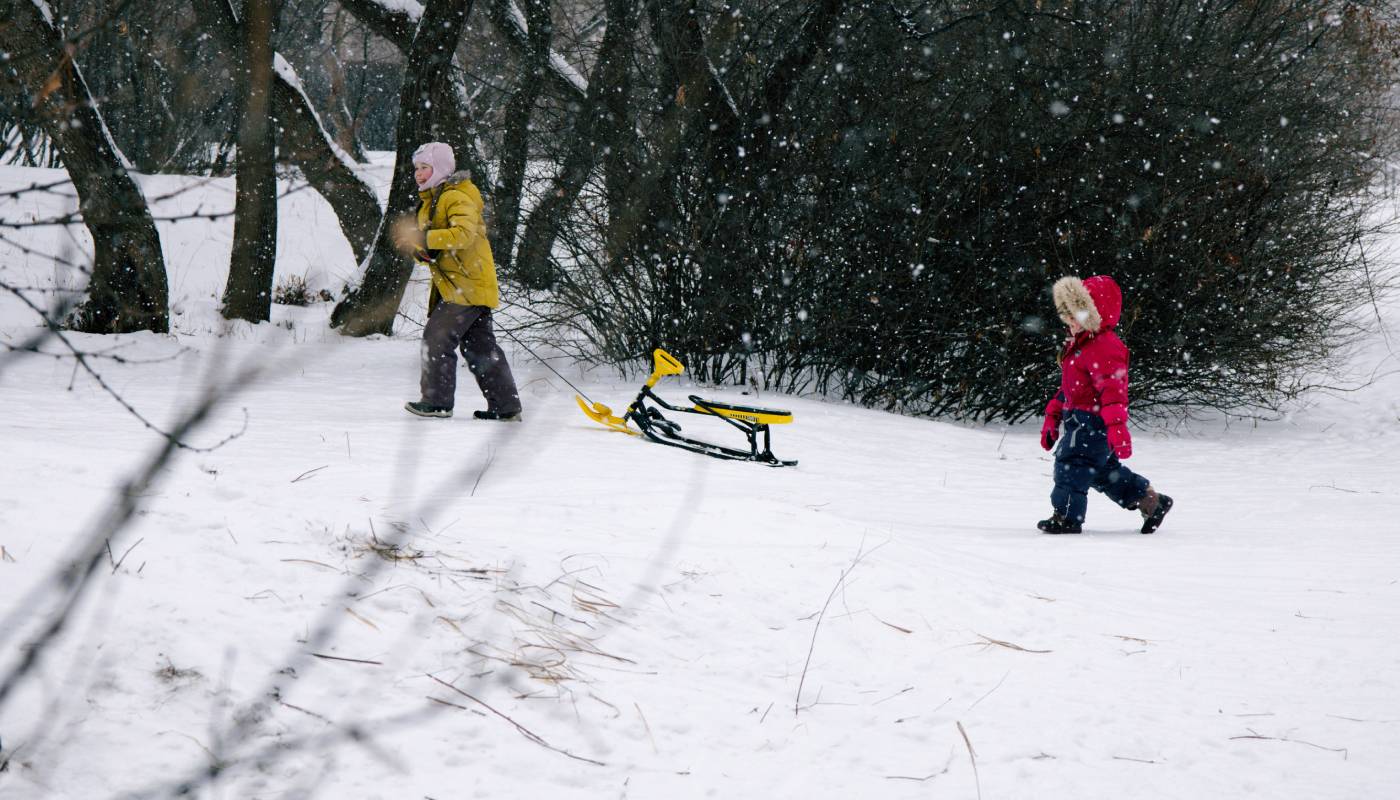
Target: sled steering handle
663 364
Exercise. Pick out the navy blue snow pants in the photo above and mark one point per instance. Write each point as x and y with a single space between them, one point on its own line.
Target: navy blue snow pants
1085 460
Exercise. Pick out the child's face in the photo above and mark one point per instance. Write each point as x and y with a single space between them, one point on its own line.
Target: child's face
422 172
1074 327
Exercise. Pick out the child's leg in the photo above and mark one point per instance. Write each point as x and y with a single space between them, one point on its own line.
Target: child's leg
488 363
1079 461
441 336
1070 497
1120 484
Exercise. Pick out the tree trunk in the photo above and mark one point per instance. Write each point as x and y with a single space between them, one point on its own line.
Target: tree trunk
248 294
515 144
597 130
307 145
371 307
459 123
566 86
304 142
127 291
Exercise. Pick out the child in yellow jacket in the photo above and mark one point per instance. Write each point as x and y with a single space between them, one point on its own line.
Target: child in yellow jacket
450 238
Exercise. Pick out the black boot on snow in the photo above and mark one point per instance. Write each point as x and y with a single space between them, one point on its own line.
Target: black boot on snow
1154 513
497 416
425 410
1058 524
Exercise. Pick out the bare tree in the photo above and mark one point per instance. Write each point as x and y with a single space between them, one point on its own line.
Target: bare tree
598 129
248 294
127 290
304 141
459 129
515 144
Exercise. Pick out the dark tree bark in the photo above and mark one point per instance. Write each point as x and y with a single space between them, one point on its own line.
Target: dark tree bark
597 130
771 102
371 307
304 142
248 294
397 27
127 291
515 144
307 145
508 26
459 126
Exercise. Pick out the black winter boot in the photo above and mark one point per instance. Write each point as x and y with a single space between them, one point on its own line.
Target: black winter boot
1058 524
497 415
1154 508
425 410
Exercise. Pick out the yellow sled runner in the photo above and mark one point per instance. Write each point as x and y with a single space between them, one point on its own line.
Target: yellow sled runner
645 413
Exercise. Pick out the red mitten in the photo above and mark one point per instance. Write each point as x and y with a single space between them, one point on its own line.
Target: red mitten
1050 429
1121 441
1116 418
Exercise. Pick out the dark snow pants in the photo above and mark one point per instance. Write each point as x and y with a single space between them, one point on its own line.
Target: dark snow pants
1085 460
451 327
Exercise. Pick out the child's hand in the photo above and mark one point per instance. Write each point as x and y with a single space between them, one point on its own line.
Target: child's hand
1050 430
405 235
1121 441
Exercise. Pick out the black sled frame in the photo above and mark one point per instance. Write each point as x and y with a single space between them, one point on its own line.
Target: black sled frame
646 413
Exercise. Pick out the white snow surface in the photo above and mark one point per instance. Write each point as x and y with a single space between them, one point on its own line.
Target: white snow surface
345 601
412 8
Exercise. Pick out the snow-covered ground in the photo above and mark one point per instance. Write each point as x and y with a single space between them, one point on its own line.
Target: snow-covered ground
348 602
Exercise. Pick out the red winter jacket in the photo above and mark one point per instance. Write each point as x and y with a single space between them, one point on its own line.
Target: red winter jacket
1094 364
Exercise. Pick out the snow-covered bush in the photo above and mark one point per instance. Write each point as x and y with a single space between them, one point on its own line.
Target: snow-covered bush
293 291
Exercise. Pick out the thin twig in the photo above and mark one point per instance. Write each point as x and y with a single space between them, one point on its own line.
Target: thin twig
812 646
304 711
1253 735
526 732
310 472
973 753
989 641
490 456
351 660
989 691
647 727
124 555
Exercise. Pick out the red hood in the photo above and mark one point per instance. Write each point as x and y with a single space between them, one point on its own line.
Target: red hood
1108 299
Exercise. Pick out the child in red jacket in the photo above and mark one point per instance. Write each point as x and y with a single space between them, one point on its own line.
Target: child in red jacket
1093 405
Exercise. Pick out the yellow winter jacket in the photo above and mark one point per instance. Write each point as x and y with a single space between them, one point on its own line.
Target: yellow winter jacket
463 271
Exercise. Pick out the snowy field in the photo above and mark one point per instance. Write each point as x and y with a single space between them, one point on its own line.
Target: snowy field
344 601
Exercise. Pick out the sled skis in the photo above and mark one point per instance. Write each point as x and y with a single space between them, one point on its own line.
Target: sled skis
646 413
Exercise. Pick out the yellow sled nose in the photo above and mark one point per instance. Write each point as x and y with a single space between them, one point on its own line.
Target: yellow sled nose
662 365
602 414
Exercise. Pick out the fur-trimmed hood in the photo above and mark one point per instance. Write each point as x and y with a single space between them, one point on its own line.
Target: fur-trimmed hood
454 180
1095 303
460 176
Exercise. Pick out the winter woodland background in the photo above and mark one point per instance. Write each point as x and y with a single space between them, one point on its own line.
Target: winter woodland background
853 205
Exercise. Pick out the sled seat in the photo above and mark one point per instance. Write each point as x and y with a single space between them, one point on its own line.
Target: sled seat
750 414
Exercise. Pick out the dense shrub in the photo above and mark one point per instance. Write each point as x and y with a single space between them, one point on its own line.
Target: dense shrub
891 232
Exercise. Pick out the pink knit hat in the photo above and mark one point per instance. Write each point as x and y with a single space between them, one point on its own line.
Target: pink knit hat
438 156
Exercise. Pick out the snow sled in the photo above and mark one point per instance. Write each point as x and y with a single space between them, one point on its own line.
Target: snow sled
645 413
